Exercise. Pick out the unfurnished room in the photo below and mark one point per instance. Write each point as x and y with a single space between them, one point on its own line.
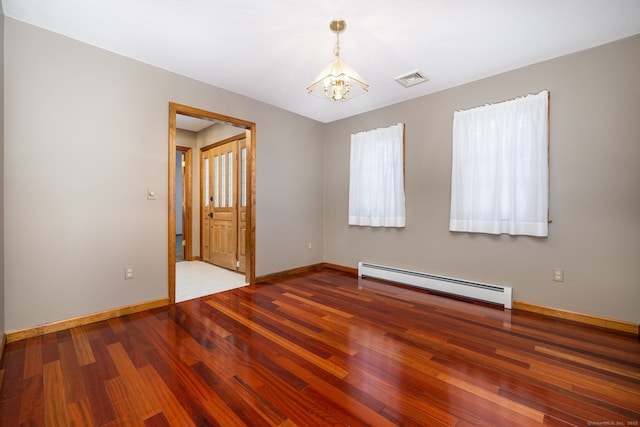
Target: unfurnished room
344 213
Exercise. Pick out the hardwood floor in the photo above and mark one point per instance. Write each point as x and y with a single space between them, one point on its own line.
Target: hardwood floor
323 348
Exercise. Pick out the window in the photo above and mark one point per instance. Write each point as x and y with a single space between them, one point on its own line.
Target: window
216 186
207 190
230 179
500 176
376 178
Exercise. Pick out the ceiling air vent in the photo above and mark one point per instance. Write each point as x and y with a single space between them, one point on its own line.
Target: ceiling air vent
411 79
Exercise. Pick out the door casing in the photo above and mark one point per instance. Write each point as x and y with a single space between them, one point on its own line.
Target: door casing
250 234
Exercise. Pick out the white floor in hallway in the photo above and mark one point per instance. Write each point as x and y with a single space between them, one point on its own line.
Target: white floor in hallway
195 279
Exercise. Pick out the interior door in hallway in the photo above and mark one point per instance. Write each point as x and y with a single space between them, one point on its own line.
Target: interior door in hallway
220 213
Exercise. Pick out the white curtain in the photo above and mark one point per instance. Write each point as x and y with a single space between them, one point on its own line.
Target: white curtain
499 180
376 178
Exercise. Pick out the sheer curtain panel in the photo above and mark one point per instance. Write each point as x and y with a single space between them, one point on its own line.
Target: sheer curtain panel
500 168
376 178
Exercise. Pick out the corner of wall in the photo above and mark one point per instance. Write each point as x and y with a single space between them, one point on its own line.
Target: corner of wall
2 328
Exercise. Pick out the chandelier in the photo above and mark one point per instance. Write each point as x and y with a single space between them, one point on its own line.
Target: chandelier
338 81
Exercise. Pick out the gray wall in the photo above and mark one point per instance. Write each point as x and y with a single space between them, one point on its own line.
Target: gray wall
2 316
86 135
594 193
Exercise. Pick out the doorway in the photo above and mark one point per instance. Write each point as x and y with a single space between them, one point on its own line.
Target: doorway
183 204
247 235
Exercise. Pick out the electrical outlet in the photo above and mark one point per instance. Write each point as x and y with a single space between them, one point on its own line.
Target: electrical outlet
310 246
128 272
558 275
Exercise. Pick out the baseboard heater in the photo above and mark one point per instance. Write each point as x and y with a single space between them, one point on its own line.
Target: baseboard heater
448 285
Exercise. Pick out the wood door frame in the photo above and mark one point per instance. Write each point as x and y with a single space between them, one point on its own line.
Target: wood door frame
250 127
188 197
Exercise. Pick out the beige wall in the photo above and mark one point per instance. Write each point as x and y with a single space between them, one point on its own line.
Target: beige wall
594 194
85 135
217 132
2 329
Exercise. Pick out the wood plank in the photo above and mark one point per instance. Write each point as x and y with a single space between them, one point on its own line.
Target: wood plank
80 413
337 397
490 396
318 348
605 366
131 384
125 404
323 307
186 389
84 354
172 411
55 405
260 404
74 388
33 358
13 367
9 416
320 362
94 377
32 402
323 336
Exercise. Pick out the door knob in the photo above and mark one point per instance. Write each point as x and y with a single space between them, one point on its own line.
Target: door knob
210 214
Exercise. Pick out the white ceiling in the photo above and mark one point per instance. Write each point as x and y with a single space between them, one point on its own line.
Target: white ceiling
271 50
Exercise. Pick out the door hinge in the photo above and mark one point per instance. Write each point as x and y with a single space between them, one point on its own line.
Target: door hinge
184 243
237 264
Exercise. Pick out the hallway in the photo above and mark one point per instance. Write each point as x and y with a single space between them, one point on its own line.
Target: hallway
195 279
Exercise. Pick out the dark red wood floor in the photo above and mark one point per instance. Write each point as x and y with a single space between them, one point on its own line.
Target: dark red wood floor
323 348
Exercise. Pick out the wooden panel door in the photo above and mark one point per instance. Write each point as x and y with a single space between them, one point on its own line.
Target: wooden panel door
220 218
